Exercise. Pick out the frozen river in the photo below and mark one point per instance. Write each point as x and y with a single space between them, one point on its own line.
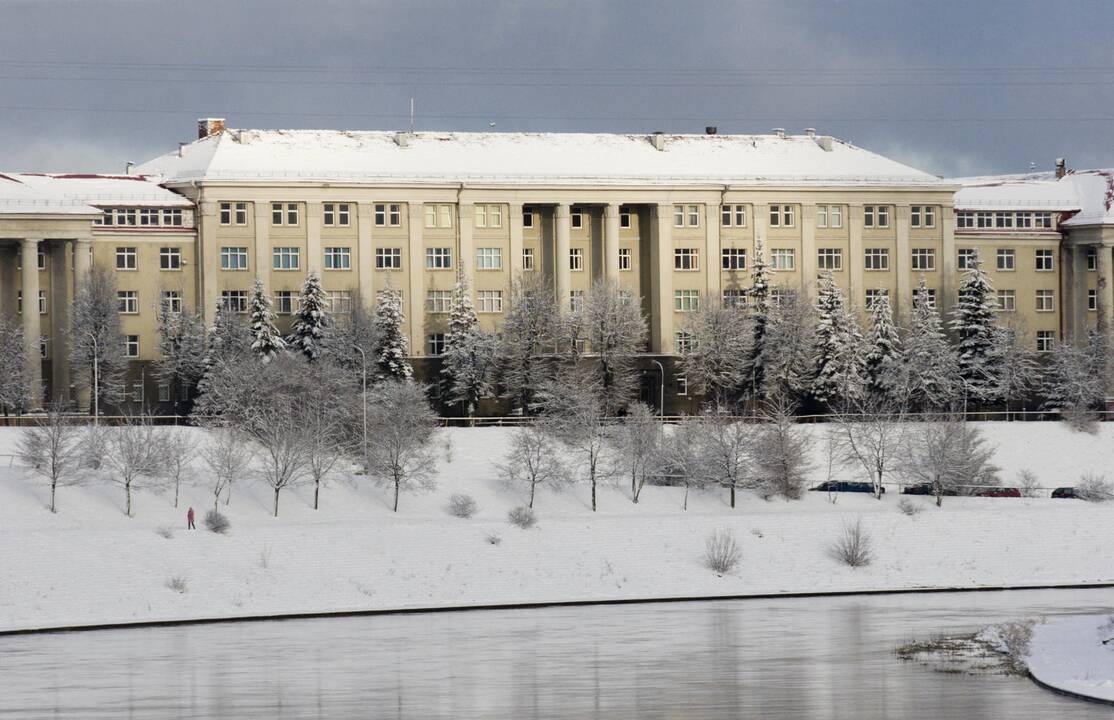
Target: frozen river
807 658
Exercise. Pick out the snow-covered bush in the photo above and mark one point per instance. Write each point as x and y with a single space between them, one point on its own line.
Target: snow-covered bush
523 517
1011 639
1094 488
908 507
493 538
462 506
1028 484
721 552
165 531
217 523
853 546
178 584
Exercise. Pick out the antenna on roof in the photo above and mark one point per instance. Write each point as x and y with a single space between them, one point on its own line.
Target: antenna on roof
411 114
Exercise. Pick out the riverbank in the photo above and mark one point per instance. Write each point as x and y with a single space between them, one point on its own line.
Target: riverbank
1069 655
88 564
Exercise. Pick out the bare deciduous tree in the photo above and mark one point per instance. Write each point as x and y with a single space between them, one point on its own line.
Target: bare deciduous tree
726 450
717 364
276 427
615 328
532 461
574 413
402 425
52 449
135 454
681 456
180 447
868 434
227 456
324 420
781 452
947 454
637 442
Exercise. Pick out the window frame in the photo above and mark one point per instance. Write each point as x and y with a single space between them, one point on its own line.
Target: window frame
383 254
130 256
923 259
333 253
1045 300
489 259
626 259
127 302
733 259
576 260
288 255
1003 254
824 257
686 256
439 258
170 259
686 300
777 255
489 301
876 259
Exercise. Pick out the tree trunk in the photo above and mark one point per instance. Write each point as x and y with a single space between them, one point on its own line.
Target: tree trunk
228 494
216 500
686 505
128 493
316 491
732 495
533 486
276 501
397 483
53 485
177 482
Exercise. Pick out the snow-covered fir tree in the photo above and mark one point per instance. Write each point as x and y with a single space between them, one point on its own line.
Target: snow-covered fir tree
312 321
927 376
615 328
787 357
266 341
1017 368
758 296
837 354
182 346
974 325
12 390
469 354
883 346
392 347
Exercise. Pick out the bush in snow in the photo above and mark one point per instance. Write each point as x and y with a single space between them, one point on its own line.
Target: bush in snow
462 506
908 507
165 531
1094 488
853 546
1011 639
177 583
217 523
523 517
493 538
721 552
1028 484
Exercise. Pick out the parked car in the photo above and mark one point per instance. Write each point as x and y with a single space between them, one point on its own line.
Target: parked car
1064 492
999 492
843 486
926 489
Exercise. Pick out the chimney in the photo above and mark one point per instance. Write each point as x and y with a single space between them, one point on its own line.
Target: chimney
658 139
811 132
780 132
711 130
402 139
1061 168
209 126
128 167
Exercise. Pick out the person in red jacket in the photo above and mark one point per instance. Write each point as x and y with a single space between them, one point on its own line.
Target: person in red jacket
189 519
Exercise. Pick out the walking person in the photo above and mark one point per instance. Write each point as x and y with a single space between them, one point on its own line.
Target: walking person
189 520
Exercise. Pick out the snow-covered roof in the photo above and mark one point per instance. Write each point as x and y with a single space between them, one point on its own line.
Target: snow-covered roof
527 158
1095 190
20 198
103 190
1087 193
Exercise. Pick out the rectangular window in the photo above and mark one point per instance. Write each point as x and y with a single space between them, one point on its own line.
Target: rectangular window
693 215
164 393
1042 220
821 216
576 300
338 258
225 214
876 216
922 216
924 259
1046 340
488 216
1092 300
734 259
874 294
148 217
781 216
829 216
1092 259
171 302
285 302
490 301
965 219
276 213
678 216
684 342
489 258
686 259
1006 260
435 344
430 216
686 300
127 302
127 258
388 258
1003 220
241 213
576 219
233 258
286 258
984 220
42 302
388 214
783 259
1046 301
576 259
930 296
172 217
292 214
234 301
131 349
336 214
438 258
682 385
626 259
868 216
170 258
438 301
735 298
527 216
624 218
528 259
829 259
1024 219
876 259
966 258
1007 300
340 302
1044 260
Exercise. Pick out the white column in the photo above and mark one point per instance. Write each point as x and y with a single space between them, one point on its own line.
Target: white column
365 256
562 277
611 241
32 331
208 252
82 266
661 279
1079 310
414 302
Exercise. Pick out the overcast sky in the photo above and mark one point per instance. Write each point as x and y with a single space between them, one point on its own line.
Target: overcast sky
954 87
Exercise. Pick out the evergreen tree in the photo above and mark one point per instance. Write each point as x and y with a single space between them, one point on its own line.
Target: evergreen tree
759 296
530 329
266 341
227 343
182 346
312 321
787 357
974 325
615 329
469 354
392 348
12 390
883 347
1017 367
927 376
837 354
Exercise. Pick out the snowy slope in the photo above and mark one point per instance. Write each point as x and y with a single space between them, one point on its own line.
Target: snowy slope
90 564
1068 654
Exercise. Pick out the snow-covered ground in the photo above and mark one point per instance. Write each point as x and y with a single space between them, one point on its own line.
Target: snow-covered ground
1068 654
90 564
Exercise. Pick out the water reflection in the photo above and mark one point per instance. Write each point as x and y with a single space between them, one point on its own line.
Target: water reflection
822 659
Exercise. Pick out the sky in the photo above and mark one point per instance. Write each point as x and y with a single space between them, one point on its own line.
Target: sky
953 87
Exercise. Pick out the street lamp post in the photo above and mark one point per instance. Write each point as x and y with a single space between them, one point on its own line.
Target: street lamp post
96 380
661 389
363 403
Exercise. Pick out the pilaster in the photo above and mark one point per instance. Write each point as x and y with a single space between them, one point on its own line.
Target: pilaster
365 254
32 328
661 262
562 276
903 263
414 302
611 241
714 252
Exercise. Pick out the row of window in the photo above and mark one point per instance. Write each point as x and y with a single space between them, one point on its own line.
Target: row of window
127 258
1004 220
285 302
140 217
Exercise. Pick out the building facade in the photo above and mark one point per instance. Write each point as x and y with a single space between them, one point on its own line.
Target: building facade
674 219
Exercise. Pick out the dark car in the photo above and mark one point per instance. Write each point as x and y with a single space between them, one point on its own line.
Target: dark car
926 489
843 486
1064 492
999 492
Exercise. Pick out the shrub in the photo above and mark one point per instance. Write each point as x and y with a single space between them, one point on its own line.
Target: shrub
165 531
721 552
908 507
523 517
1081 420
177 584
493 538
462 506
1028 484
1094 488
853 547
217 523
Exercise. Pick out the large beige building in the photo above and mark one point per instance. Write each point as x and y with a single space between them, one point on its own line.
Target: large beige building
673 218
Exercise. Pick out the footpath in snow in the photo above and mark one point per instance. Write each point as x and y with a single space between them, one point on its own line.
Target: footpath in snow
1070 655
89 564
